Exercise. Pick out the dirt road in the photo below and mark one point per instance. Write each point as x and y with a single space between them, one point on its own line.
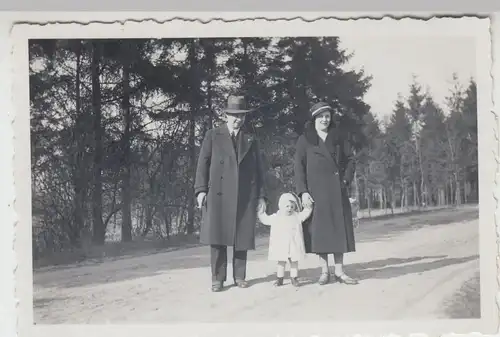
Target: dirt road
419 266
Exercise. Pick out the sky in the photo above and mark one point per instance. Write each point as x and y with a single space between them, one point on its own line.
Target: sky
392 61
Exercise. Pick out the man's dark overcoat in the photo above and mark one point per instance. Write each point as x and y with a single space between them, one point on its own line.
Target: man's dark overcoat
233 186
321 167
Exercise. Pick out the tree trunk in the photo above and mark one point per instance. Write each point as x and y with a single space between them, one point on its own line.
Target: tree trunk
466 190
168 221
393 198
422 176
148 221
402 197
407 197
212 74
415 192
447 192
98 230
369 201
126 188
458 194
195 105
79 165
452 192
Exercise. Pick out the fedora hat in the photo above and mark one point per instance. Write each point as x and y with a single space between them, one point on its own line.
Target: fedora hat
236 105
319 108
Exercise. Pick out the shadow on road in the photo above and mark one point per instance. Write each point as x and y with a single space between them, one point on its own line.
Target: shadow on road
126 269
45 302
119 251
381 269
380 230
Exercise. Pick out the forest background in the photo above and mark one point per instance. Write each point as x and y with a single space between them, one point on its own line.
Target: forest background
116 127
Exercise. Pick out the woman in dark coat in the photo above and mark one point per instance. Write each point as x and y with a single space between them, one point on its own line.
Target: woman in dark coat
324 168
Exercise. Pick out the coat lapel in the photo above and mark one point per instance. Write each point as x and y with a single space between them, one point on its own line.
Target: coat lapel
244 144
224 139
324 150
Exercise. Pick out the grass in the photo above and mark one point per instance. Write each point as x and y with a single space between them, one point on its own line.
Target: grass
466 302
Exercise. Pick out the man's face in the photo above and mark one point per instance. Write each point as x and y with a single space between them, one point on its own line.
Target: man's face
235 120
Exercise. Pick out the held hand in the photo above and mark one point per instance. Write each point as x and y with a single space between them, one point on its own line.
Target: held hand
201 199
262 205
307 200
308 205
261 208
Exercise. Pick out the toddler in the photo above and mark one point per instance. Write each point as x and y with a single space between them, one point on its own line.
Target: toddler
286 241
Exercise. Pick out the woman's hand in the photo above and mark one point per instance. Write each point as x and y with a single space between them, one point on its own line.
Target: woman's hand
201 199
261 208
307 200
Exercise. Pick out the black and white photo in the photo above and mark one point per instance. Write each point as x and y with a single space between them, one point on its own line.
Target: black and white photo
274 171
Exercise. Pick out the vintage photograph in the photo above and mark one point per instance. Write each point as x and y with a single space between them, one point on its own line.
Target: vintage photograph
330 177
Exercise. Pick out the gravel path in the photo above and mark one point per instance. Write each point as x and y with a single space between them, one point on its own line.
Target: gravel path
410 267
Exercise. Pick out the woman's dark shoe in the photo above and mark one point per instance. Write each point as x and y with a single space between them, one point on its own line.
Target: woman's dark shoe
324 279
278 282
216 287
343 278
295 282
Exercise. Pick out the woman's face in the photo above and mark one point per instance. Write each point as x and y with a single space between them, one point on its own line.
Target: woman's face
323 120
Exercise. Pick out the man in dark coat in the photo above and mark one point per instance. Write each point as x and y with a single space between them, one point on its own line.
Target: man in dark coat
229 187
324 168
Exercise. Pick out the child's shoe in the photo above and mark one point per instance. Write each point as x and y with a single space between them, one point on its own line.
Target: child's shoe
278 282
295 281
324 278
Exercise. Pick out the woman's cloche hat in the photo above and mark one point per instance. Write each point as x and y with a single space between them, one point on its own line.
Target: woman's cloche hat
318 108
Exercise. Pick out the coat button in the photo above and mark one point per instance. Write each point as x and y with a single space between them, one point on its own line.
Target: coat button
222 177
222 161
219 193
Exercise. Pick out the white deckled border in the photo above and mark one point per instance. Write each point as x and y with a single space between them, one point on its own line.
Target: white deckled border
495 98
7 278
489 167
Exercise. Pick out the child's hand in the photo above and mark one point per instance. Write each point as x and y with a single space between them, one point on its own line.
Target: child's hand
309 205
262 207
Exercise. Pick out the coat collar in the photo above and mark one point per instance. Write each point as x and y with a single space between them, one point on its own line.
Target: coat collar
330 147
244 144
245 141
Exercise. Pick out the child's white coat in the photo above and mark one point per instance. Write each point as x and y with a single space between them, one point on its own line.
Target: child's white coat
286 239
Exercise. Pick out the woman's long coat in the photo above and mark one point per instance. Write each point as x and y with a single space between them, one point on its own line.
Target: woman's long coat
324 170
233 183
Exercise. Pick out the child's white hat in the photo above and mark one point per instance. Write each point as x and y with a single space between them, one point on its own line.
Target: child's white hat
290 196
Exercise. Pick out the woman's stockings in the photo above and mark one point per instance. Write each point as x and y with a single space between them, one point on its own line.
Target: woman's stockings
323 260
339 263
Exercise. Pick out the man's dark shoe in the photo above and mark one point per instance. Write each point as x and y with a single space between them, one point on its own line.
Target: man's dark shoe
216 286
278 282
241 283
